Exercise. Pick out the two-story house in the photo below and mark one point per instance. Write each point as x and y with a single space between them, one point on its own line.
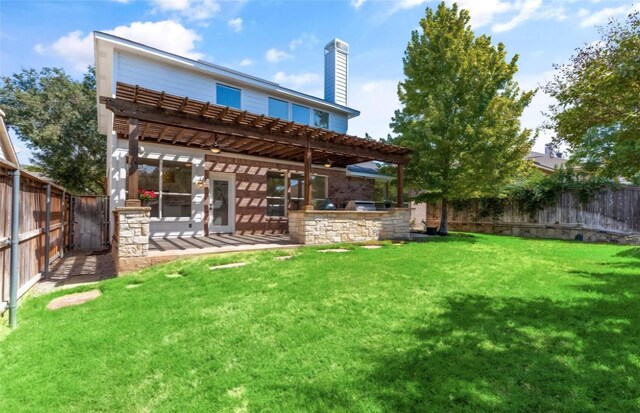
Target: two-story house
225 151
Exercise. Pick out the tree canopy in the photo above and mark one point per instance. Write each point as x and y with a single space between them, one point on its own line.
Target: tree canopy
460 111
598 111
56 117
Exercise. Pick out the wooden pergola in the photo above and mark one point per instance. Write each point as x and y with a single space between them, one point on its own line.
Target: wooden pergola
147 115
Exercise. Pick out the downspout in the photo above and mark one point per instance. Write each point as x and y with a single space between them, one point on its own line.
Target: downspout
15 247
47 232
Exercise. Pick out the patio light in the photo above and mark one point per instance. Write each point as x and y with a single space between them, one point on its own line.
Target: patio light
215 148
327 163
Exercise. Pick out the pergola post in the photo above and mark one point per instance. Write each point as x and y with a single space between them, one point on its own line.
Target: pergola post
400 201
132 176
308 156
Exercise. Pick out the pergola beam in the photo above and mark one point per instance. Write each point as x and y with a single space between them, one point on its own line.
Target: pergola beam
126 108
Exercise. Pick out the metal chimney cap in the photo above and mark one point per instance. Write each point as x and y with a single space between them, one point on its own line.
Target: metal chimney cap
337 44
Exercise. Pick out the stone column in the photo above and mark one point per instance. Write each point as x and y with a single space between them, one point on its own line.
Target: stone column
130 245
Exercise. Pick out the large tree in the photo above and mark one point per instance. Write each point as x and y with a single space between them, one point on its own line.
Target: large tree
56 117
460 111
598 109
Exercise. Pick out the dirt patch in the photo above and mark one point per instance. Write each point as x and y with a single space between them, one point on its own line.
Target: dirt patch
73 299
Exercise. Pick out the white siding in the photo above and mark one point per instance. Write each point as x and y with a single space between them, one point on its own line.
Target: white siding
338 122
335 76
254 101
137 70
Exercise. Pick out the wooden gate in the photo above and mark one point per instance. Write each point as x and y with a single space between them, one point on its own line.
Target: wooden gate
91 222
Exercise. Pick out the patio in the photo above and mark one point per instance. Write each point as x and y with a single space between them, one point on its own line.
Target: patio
159 247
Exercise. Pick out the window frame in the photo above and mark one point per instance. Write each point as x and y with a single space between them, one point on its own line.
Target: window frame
313 120
232 88
301 199
310 112
160 166
284 198
270 98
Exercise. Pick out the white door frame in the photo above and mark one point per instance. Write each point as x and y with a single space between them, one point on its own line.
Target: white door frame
231 178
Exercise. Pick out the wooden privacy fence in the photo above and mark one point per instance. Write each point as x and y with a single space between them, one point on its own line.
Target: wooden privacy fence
76 222
614 212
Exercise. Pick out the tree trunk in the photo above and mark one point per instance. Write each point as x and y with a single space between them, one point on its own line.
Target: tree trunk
444 230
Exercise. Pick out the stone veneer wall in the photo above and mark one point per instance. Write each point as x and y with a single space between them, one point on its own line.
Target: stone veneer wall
326 227
251 190
130 243
548 231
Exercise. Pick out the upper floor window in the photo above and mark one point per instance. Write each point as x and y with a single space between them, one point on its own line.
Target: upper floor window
278 108
320 119
300 114
227 96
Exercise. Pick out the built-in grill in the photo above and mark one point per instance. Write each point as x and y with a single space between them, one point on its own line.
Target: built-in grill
360 206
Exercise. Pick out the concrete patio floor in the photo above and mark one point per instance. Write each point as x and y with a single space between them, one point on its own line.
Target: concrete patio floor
183 246
77 268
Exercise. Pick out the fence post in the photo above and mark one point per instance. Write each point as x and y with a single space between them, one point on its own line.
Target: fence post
15 248
47 231
62 236
71 223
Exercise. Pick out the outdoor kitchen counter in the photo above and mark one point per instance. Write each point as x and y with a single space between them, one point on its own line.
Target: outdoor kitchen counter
326 227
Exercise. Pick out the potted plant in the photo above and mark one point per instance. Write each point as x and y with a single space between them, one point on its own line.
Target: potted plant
145 196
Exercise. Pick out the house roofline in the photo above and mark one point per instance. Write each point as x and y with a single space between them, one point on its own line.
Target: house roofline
212 68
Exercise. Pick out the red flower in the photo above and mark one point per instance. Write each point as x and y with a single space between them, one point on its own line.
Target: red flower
147 195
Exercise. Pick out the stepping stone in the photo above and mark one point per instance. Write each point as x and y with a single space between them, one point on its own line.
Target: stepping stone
233 265
372 247
73 299
335 250
173 275
284 257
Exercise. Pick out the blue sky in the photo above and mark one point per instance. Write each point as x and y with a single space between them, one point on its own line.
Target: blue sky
283 40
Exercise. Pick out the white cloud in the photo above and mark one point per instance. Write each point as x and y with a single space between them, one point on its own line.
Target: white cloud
168 35
603 16
247 62
533 116
377 101
486 12
305 40
298 81
275 55
356 4
235 24
526 12
190 9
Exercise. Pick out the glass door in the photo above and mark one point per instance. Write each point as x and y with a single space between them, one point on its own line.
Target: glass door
222 203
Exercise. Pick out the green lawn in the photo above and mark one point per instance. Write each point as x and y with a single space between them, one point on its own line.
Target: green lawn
468 323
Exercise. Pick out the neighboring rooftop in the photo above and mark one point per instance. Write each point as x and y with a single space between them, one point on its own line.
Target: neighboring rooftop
546 162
